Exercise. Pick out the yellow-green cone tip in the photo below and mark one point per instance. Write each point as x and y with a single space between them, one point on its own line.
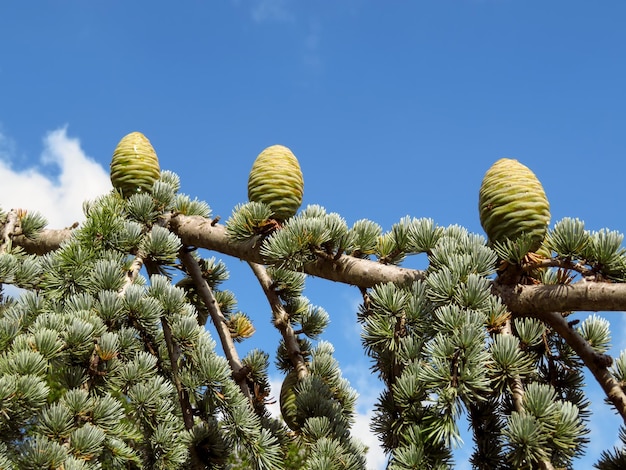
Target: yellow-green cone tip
287 400
134 166
511 202
276 180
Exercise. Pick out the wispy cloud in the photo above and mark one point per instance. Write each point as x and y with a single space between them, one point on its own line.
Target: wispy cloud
58 193
272 10
7 146
306 28
312 57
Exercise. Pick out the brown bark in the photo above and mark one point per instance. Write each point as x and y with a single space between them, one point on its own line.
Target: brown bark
8 232
597 363
203 233
46 241
516 385
535 300
218 319
281 320
200 232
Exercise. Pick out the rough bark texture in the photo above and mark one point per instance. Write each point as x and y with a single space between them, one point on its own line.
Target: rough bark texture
200 232
524 300
281 320
535 300
218 319
46 241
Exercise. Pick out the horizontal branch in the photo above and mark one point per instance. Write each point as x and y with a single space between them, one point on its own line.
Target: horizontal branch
200 232
535 300
597 363
45 242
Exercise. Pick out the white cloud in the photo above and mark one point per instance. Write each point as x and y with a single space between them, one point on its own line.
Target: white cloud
58 198
376 458
274 408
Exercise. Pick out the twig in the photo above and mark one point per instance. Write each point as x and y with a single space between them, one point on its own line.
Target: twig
8 231
133 272
281 320
566 264
517 392
597 363
515 383
228 345
174 354
198 231
545 465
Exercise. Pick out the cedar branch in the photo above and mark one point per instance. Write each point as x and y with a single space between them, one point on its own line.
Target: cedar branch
597 363
203 233
46 241
199 232
281 319
218 319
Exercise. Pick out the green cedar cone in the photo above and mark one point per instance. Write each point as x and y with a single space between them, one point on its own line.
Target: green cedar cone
288 400
511 202
135 166
276 180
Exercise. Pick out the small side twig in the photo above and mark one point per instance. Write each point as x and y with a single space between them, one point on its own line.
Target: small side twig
174 354
515 384
9 229
517 392
281 320
133 272
228 345
566 264
597 363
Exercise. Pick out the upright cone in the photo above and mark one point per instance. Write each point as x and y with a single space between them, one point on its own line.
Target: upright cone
134 166
512 202
276 180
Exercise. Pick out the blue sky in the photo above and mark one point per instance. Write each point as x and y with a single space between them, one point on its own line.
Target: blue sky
393 108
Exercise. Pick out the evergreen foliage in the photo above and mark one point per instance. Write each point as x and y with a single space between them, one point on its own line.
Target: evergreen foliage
105 361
